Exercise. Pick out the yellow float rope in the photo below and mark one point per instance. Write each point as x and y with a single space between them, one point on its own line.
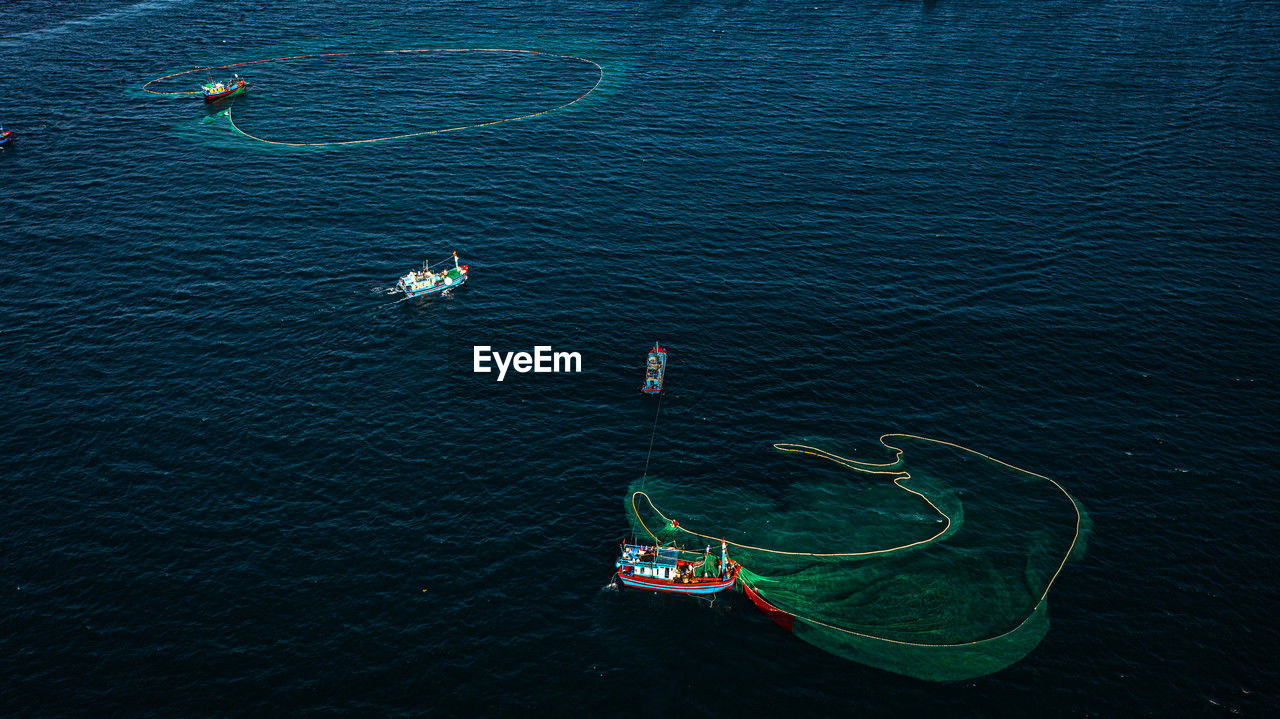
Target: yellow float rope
898 478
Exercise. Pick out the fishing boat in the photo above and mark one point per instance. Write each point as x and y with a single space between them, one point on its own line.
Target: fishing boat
425 282
6 137
786 620
655 370
667 569
214 91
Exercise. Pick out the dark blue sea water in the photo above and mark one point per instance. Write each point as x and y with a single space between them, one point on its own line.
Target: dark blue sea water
237 480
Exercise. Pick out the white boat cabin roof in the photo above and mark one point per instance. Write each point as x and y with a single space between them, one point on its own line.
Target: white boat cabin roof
665 557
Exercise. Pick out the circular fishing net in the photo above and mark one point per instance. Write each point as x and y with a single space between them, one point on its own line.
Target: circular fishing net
344 59
936 564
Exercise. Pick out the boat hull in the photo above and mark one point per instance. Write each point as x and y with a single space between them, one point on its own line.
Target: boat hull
7 139
786 620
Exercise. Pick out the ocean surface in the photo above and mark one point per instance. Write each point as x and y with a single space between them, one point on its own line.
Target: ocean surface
239 478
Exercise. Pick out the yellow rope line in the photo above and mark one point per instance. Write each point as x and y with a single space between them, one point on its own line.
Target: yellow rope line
236 128
166 77
641 521
902 642
898 477
862 467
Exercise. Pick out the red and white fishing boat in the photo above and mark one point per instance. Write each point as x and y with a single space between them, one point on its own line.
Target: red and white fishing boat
667 569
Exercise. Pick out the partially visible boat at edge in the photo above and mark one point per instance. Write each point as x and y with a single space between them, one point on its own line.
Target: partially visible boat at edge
6 137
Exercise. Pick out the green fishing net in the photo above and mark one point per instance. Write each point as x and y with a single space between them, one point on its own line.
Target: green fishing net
935 561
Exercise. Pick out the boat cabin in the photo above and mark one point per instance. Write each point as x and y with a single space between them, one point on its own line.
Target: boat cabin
657 562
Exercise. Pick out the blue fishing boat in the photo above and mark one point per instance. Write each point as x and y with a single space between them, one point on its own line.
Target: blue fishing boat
655 370
667 569
6 137
425 282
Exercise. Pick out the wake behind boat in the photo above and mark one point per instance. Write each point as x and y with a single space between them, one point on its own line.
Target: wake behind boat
425 282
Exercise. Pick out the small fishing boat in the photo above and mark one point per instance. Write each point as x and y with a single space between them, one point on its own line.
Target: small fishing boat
786 620
655 370
214 91
425 282
6 137
666 569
